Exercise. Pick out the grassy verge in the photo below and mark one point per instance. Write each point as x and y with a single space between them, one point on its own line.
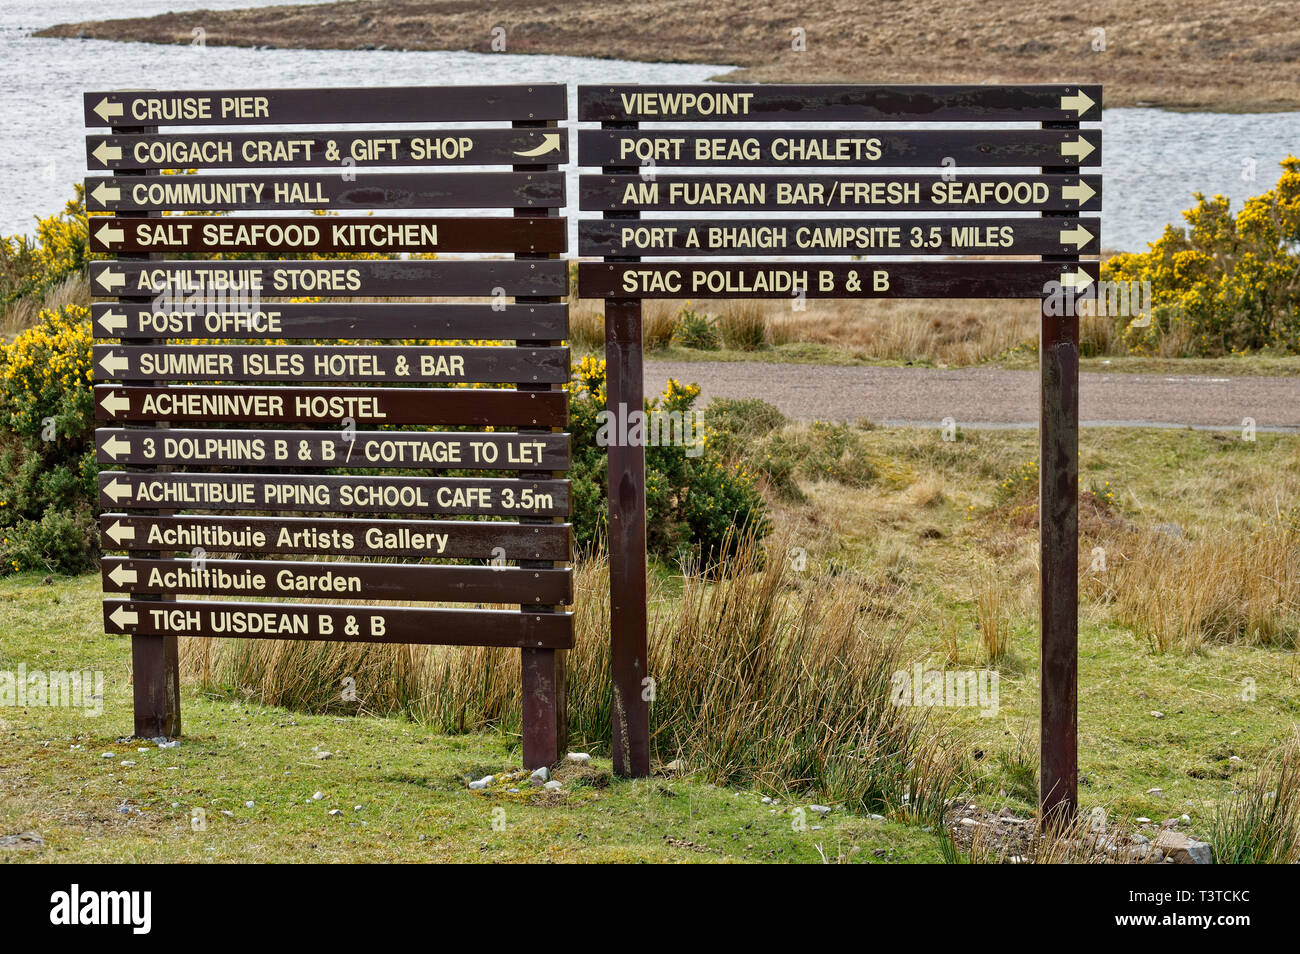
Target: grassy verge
400 787
1189 681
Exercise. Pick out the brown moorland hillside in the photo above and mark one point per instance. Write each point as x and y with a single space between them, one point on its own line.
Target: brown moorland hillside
1232 55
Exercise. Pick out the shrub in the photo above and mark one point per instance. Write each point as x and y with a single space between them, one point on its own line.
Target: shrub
1226 283
695 330
47 455
743 325
31 269
59 542
1259 824
692 502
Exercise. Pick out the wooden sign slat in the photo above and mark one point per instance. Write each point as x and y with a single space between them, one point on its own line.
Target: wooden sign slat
416 450
343 279
830 193
292 493
339 536
877 236
393 364
349 624
728 147
328 579
375 104
342 235
726 103
331 320
776 280
493 407
341 149
326 190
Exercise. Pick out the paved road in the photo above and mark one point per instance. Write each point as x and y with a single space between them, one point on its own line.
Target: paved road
987 397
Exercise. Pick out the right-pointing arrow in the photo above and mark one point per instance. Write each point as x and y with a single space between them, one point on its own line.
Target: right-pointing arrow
1080 193
1080 148
1077 236
1080 103
550 143
1076 280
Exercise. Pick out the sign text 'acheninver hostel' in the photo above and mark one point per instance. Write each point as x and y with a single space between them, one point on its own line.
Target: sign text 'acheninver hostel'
363 443
799 193
315 395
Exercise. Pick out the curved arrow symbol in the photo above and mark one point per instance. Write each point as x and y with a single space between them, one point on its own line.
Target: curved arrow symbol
550 143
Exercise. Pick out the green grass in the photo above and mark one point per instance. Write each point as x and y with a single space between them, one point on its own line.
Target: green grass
408 782
911 528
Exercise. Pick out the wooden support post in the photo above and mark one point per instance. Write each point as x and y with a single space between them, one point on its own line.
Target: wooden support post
155 660
1058 537
625 393
545 723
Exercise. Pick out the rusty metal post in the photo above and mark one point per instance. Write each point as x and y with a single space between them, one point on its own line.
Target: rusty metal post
1058 542
545 724
625 393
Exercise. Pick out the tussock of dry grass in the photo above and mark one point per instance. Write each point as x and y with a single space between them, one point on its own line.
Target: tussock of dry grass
1184 594
757 680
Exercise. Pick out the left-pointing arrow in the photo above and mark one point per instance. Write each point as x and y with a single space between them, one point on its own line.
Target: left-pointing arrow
123 617
113 363
120 531
108 235
550 143
112 321
115 446
121 575
106 153
111 279
106 110
103 193
116 491
115 403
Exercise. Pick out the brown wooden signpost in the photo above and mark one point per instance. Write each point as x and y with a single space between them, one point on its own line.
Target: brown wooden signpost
794 250
810 192
309 478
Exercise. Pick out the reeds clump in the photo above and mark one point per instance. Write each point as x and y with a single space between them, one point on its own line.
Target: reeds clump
758 679
1260 823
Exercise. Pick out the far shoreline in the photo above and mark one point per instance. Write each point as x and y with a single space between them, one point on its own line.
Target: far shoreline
1138 67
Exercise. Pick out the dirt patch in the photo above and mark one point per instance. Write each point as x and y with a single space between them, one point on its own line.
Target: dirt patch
1149 52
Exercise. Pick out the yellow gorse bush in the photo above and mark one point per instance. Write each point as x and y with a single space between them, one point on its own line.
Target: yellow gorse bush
45 372
1225 284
